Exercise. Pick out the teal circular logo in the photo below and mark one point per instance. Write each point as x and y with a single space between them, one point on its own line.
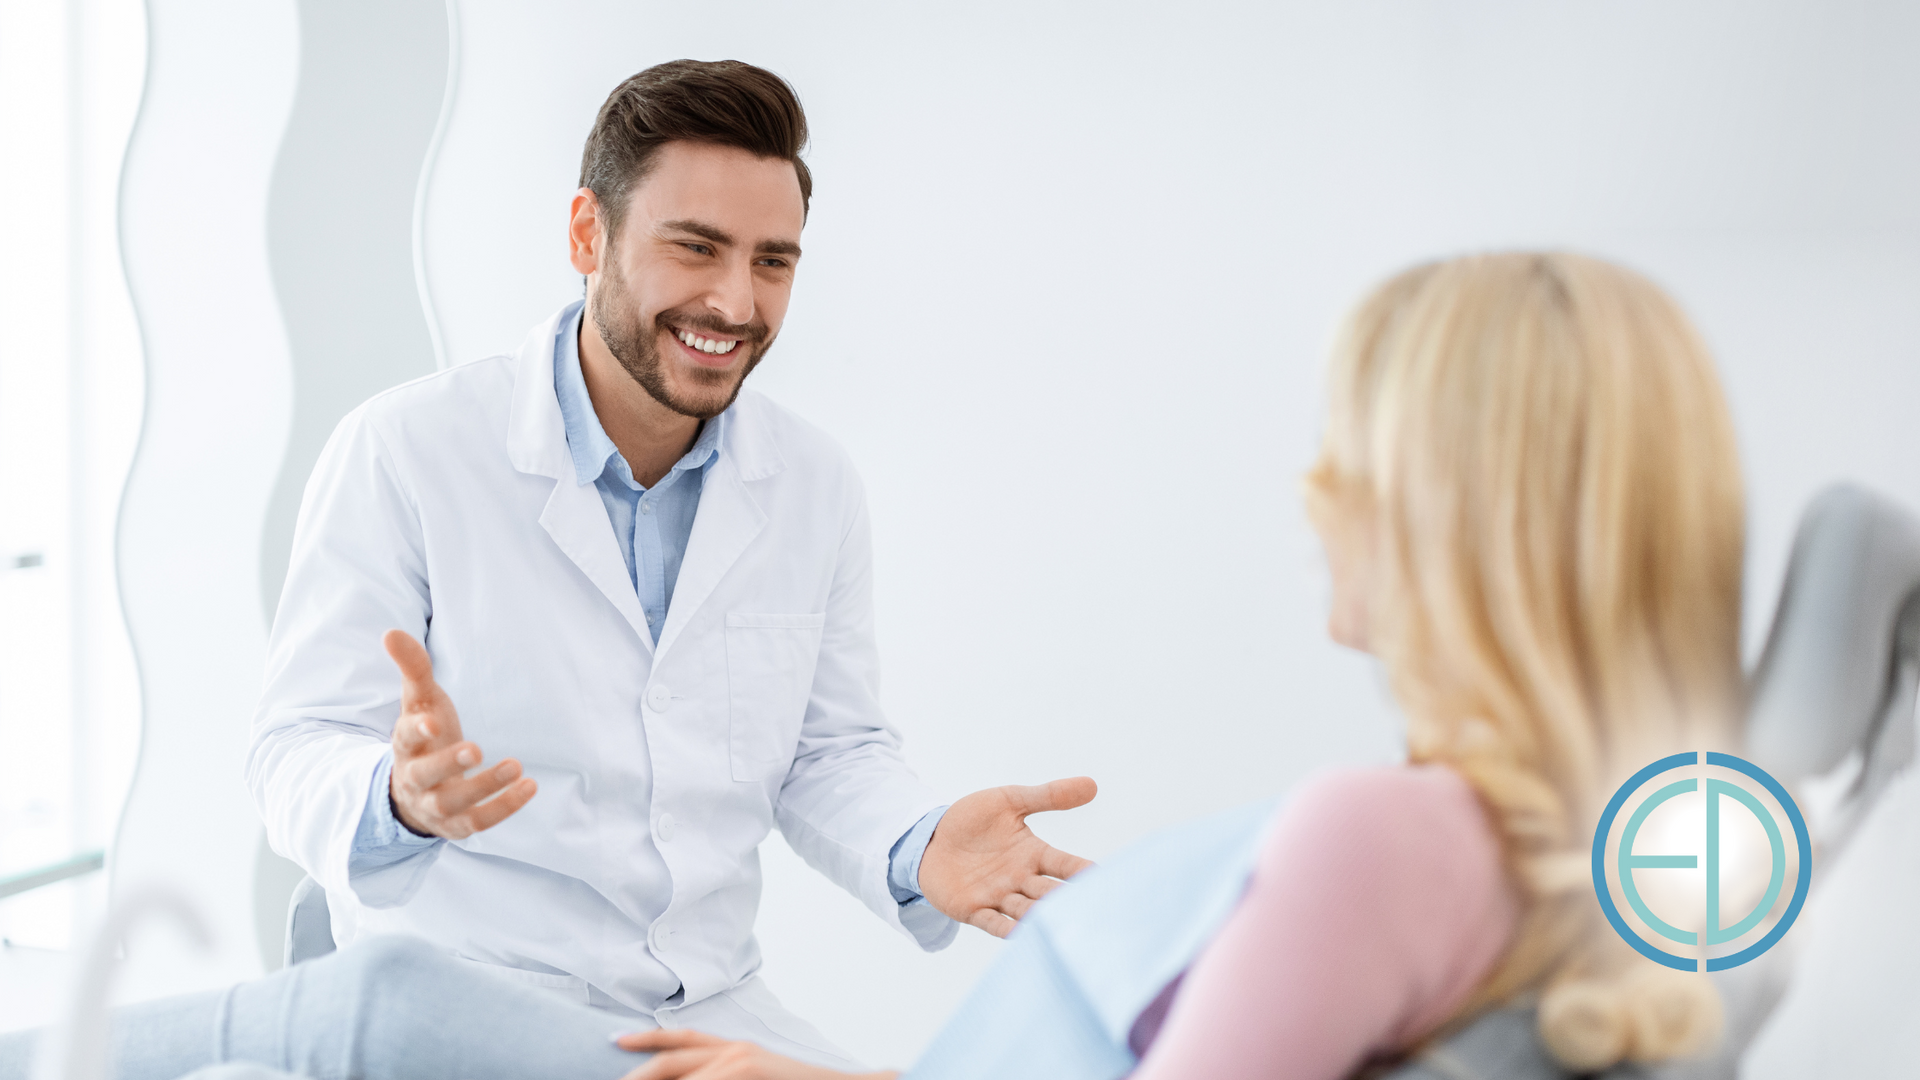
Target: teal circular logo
1712 933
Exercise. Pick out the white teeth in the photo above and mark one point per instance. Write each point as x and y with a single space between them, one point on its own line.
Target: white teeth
705 345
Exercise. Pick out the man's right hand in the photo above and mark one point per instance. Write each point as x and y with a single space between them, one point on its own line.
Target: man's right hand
432 793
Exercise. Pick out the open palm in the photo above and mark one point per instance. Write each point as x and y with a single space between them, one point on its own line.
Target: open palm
433 793
985 868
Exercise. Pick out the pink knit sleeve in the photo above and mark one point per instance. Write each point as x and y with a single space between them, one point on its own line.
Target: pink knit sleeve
1377 906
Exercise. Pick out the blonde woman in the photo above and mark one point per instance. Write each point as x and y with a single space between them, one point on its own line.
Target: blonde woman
1531 499
1531 506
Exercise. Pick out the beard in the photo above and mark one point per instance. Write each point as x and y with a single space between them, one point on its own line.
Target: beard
637 347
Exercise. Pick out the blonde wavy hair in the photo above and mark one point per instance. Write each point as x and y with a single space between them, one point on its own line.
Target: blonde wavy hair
1538 453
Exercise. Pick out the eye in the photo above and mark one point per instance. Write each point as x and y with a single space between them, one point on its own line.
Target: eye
774 262
697 249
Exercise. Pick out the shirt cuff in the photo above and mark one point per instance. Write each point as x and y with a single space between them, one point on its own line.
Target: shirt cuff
382 839
903 862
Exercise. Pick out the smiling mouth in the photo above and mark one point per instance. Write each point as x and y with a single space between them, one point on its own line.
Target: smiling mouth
710 346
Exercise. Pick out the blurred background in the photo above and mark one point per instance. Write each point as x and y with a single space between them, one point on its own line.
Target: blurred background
1071 271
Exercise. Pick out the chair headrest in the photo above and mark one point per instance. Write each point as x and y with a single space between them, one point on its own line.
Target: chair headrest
1845 641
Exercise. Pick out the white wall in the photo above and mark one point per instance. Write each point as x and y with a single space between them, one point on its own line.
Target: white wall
267 227
70 399
1068 279
220 79
373 78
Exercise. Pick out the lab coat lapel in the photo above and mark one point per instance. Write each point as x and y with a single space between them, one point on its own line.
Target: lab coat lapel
727 521
574 515
577 520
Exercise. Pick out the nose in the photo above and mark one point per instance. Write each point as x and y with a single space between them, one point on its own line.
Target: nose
732 295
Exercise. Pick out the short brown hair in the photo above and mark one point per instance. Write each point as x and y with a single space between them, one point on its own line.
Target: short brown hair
725 102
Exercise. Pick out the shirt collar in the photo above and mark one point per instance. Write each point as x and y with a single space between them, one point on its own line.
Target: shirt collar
592 449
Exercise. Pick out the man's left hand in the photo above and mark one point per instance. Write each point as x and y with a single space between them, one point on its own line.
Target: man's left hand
691 1055
985 868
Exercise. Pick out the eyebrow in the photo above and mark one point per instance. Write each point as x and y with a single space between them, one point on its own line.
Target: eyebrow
720 236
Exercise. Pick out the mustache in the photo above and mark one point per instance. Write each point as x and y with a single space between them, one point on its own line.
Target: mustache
754 333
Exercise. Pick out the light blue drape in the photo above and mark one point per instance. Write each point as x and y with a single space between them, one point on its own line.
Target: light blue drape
1059 1002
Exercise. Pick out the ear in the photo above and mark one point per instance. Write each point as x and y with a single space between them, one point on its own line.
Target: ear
586 240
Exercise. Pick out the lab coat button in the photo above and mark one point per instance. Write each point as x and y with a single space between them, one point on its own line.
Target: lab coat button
664 828
659 698
660 936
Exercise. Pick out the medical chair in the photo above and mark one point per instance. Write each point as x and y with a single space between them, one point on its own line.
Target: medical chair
1831 715
309 924
1832 709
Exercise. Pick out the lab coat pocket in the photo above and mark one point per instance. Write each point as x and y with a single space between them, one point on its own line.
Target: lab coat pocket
572 988
770 660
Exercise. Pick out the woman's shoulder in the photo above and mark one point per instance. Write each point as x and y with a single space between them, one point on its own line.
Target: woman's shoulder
1400 873
1431 786
1387 794
1399 825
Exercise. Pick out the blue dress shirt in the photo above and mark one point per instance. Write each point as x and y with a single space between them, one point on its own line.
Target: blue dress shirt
653 526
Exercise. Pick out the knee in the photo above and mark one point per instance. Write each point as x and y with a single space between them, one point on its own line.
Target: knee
340 1011
390 964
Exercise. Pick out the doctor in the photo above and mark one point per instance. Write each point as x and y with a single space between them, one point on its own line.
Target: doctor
649 592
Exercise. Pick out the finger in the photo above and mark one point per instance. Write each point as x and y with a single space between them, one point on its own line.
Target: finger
425 712
1015 906
409 656
426 768
1056 795
459 794
1037 886
1059 864
500 807
674 1064
412 736
415 733
666 1039
993 922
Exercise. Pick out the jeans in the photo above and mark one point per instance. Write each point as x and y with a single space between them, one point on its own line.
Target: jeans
386 1008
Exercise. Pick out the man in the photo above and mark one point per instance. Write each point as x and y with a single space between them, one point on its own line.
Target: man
652 590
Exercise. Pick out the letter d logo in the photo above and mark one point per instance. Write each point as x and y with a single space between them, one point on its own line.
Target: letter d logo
1714 934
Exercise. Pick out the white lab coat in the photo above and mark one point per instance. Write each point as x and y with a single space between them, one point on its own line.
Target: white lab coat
448 508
